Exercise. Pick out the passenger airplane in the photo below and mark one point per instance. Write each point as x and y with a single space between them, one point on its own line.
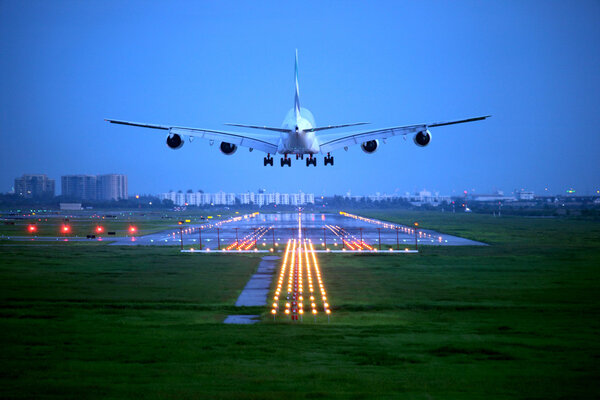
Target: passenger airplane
298 135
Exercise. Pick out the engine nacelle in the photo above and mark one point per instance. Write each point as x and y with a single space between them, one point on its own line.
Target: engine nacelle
228 148
370 146
422 138
175 141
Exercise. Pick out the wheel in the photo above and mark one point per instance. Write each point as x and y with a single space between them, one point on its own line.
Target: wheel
289 162
315 161
332 161
308 162
271 161
265 161
282 162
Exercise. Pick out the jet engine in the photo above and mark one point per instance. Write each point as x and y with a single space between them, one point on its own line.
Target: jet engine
228 148
422 138
370 146
175 141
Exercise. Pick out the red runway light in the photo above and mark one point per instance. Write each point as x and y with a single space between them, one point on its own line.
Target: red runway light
65 229
132 229
99 229
32 228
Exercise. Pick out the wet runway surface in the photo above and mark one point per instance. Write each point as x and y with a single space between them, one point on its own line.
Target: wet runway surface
264 231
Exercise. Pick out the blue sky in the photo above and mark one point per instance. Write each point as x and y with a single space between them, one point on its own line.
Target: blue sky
65 66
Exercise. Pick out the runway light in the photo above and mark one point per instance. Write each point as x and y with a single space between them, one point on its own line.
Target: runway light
99 229
273 311
32 228
132 229
65 229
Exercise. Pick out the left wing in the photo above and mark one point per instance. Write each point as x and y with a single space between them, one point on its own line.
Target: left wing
328 145
263 144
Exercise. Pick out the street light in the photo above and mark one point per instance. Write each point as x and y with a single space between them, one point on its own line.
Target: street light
416 237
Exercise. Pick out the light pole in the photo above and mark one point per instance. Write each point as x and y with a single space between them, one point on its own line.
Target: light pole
200 236
397 240
379 232
416 239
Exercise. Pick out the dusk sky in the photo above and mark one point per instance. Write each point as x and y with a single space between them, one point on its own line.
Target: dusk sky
533 65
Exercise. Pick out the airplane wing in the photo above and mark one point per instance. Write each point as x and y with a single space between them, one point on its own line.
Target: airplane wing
329 144
262 144
322 128
266 128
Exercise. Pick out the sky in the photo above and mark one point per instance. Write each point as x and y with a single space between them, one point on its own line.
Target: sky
532 65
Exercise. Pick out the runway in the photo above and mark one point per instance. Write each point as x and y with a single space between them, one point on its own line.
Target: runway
337 232
263 232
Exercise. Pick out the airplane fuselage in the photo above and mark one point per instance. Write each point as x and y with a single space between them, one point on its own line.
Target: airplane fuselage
298 139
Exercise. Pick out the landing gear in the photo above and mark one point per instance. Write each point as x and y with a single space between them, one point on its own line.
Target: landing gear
328 160
268 160
311 160
286 161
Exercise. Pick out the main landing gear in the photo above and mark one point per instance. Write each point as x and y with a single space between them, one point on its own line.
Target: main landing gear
286 161
327 160
311 160
268 160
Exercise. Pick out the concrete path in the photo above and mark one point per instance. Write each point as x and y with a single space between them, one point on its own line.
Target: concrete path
241 319
256 291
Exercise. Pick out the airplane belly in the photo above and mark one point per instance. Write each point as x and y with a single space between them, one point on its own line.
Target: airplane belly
297 144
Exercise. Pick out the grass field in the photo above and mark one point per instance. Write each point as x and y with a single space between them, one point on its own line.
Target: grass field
516 319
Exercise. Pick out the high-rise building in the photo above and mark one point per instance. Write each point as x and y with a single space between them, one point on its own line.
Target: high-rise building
111 187
34 186
79 187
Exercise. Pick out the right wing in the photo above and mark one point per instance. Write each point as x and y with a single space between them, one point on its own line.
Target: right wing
330 144
322 128
262 144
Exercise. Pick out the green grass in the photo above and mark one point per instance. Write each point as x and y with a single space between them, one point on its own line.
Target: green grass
516 319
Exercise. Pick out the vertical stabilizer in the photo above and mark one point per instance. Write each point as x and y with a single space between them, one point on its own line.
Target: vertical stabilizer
297 96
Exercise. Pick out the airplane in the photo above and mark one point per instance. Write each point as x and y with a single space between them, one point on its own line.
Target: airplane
299 135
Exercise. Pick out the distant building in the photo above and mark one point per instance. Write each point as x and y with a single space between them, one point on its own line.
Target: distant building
524 195
79 187
111 187
34 186
230 199
71 206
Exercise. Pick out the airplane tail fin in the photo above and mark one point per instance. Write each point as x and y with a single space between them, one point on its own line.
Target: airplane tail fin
297 95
